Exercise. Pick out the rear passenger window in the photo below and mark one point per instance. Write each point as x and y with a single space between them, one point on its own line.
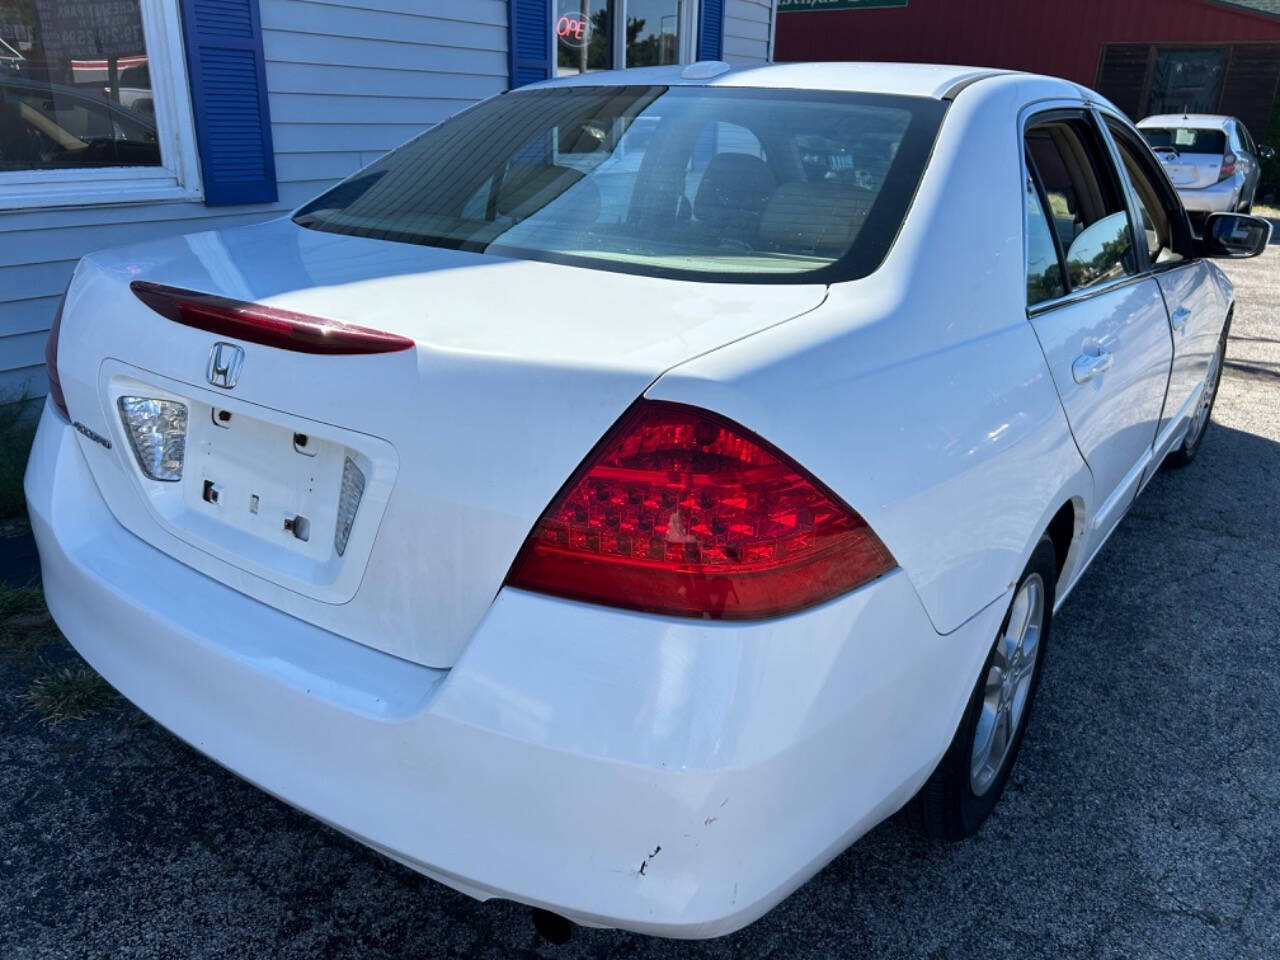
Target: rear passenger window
1044 271
1247 139
1086 206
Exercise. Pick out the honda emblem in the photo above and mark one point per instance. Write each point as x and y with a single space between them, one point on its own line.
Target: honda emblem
224 365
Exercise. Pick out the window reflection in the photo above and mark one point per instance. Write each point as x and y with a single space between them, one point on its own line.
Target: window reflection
584 36
1100 252
75 90
1044 274
653 32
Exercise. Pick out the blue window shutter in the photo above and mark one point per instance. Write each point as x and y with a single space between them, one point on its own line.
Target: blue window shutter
711 30
529 42
229 98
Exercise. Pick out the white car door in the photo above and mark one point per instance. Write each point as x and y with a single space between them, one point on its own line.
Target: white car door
1099 316
1193 298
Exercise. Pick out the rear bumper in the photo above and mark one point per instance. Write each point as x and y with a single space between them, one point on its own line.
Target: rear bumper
569 747
1222 197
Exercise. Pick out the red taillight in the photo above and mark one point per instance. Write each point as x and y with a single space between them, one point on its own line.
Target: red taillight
51 360
678 511
1228 167
266 325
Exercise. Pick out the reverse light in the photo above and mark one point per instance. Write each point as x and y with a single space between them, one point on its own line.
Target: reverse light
157 432
270 326
679 511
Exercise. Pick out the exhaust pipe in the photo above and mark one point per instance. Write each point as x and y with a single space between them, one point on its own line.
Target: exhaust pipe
552 927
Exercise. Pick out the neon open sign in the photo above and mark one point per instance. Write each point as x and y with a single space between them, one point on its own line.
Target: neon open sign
574 30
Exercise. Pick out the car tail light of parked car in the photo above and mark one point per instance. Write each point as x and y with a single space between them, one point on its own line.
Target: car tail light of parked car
1228 168
680 512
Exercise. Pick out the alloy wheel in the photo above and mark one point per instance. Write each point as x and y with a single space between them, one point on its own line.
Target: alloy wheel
1206 398
1008 685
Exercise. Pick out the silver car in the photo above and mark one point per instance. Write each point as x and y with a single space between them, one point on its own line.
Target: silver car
1212 160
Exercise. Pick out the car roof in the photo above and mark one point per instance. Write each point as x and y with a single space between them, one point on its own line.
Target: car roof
1191 121
934 80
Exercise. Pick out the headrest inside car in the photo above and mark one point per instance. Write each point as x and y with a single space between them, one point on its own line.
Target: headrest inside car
529 187
733 193
815 216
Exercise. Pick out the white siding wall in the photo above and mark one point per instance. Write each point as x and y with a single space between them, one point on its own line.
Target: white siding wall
746 30
347 80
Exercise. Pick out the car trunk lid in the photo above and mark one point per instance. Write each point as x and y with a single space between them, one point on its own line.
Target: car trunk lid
1192 156
455 445
1192 170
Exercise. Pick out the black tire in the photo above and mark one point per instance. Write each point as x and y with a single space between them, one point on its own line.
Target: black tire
947 808
1185 453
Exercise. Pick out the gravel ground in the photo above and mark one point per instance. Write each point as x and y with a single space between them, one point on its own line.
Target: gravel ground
1142 819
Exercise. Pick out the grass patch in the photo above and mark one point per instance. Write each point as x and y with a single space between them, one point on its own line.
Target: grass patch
17 430
24 639
68 693
19 600
26 630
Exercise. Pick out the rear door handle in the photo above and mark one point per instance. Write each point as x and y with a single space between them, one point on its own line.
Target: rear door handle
1089 365
1178 319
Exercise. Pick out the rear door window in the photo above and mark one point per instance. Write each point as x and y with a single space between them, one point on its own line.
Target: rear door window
1086 204
1044 266
1246 138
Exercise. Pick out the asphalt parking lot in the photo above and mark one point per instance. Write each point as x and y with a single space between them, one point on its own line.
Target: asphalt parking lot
1143 819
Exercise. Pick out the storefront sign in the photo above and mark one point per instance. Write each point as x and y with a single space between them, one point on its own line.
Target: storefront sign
94 29
803 6
573 28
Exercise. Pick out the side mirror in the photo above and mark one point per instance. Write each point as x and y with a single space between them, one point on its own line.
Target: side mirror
1265 152
1234 236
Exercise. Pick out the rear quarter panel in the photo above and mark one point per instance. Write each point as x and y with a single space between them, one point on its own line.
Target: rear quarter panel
920 393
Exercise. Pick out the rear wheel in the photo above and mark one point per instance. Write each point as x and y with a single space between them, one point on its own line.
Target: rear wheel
1204 411
963 790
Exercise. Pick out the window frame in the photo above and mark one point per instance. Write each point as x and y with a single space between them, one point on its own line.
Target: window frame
177 178
1044 111
1157 49
688 27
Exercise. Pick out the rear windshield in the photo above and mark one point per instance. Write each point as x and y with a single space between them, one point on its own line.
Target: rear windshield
712 183
1187 139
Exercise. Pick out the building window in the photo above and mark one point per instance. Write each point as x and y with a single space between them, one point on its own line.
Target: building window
93 103
1186 81
613 34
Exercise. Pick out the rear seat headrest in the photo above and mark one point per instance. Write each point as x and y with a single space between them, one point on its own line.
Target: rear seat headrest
529 187
815 216
733 194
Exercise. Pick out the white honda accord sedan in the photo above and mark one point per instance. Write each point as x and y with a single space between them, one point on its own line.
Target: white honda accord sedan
625 495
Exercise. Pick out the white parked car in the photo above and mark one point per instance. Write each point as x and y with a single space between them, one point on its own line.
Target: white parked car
631 560
1212 160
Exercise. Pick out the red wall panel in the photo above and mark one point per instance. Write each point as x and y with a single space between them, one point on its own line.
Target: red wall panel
1061 38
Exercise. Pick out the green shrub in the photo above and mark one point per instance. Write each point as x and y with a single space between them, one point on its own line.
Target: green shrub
1269 185
17 430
